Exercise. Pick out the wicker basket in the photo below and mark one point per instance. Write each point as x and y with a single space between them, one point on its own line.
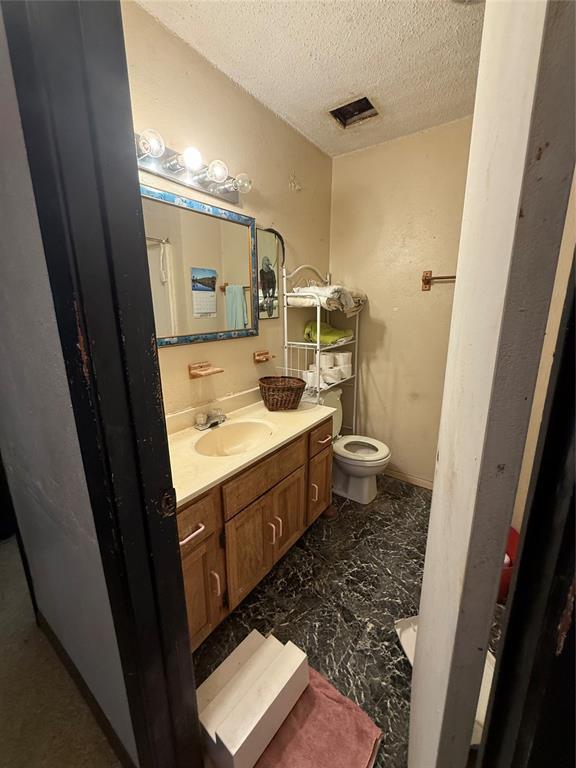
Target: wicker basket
281 393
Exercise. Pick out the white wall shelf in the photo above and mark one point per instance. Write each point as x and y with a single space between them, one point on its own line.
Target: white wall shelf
314 345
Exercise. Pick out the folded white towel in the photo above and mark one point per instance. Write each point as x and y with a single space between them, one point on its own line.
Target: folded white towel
332 297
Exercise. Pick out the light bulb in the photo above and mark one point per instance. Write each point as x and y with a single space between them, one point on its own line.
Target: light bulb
150 144
243 183
217 171
191 159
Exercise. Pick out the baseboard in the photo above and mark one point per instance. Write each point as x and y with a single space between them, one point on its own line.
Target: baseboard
87 694
412 479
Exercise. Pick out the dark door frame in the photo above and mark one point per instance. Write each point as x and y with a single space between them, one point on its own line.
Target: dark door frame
70 72
531 713
71 78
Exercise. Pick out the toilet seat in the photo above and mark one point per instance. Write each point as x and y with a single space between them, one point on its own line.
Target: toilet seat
361 449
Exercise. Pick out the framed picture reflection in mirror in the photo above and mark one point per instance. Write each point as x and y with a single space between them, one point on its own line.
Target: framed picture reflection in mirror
268 275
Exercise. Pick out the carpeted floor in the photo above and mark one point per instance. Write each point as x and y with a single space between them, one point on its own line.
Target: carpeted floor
44 721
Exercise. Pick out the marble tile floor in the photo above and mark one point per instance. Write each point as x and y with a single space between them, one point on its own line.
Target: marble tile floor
336 595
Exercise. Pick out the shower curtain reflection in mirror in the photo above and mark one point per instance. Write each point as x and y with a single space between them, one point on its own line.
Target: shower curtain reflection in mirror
160 266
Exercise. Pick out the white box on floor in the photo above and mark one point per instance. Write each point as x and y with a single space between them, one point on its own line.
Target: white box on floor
407 631
247 698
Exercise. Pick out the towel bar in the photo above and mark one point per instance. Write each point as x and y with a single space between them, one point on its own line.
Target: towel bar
225 285
428 278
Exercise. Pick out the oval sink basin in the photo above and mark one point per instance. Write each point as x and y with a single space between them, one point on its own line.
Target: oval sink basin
237 437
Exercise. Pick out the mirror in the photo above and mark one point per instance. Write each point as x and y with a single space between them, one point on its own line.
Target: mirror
268 275
203 269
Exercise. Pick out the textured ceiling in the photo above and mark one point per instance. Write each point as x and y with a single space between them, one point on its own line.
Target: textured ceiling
415 59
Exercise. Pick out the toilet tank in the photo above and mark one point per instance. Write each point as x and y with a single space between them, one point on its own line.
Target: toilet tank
333 399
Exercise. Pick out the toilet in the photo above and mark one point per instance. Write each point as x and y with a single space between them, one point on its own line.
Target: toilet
357 459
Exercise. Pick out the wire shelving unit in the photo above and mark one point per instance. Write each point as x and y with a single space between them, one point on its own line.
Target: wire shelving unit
299 355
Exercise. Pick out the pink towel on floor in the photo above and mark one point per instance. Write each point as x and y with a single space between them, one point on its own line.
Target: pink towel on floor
323 730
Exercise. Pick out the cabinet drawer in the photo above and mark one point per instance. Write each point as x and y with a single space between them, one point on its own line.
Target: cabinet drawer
252 483
199 520
320 437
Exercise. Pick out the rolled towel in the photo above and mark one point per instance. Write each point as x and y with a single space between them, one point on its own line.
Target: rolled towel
328 334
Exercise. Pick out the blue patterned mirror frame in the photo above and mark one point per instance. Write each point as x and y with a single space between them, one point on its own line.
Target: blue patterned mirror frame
221 213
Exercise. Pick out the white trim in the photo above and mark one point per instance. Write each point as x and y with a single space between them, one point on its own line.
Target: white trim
405 477
519 173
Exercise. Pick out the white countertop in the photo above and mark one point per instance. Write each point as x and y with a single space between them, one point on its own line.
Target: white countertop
193 473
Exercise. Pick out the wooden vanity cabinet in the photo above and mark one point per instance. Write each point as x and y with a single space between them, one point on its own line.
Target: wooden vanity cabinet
319 470
203 556
249 548
289 512
320 438
263 476
232 536
319 484
204 572
262 533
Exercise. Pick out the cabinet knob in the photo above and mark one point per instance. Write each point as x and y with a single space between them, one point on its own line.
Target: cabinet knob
325 440
316 492
280 524
273 533
216 577
201 527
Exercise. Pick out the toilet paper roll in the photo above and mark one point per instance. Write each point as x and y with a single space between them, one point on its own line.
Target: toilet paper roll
331 375
343 358
345 371
310 378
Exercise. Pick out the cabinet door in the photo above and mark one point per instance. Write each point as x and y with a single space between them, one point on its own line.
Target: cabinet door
218 583
205 588
319 484
250 541
289 511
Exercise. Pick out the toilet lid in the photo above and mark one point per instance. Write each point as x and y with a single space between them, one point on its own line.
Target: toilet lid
360 448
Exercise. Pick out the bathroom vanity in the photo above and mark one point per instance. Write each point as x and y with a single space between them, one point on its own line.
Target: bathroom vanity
247 489
239 513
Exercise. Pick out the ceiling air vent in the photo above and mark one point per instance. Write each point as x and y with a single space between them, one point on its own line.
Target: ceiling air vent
351 113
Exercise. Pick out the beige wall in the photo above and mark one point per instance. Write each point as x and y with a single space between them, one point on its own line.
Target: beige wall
177 92
396 211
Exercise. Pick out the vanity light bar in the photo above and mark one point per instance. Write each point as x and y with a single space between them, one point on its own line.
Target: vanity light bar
188 168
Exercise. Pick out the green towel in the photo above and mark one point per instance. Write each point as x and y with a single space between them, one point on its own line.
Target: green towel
328 335
236 310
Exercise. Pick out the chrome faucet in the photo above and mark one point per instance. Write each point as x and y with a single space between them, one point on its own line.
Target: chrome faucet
212 418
